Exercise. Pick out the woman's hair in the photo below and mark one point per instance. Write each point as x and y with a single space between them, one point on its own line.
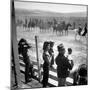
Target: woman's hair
51 44
45 45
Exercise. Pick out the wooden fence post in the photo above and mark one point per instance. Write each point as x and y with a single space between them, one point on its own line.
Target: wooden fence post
15 46
37 56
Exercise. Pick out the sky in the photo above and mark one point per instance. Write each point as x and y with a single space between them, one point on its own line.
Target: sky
61 8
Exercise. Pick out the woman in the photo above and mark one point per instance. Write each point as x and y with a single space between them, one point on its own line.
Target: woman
47 61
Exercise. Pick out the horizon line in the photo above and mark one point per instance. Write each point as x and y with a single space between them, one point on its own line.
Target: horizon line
48 10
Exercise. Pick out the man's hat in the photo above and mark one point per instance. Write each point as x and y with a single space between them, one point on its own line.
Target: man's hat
24 43
60 47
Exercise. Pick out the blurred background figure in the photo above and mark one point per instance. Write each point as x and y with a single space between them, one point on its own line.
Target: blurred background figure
80 76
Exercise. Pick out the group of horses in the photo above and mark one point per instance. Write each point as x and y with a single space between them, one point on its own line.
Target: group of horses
57 26
60 27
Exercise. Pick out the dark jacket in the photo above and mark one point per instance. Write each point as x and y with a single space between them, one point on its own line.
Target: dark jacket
85 31
63 66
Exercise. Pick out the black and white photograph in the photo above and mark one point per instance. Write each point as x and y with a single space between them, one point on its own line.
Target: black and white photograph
49 44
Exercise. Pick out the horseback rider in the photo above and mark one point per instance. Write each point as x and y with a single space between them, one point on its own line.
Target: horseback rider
79 29
85 30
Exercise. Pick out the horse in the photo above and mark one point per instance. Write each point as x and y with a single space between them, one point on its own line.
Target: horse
66 28
58 28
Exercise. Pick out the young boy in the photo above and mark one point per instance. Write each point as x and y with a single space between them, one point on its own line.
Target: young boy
69 56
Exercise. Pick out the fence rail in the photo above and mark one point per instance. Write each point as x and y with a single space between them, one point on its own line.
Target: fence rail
53 80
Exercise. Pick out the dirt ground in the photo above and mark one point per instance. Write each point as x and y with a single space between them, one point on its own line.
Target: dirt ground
80 48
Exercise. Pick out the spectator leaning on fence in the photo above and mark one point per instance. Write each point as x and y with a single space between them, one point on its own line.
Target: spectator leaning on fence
47 61
23 49
62 65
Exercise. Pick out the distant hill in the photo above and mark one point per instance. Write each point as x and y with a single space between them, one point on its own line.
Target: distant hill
47 13
77 14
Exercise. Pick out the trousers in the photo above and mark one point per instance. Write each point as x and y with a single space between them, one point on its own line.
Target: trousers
45 75
61 81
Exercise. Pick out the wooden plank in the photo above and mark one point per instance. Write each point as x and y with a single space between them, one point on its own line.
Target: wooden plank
15 45
35 63
36 41
52 75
